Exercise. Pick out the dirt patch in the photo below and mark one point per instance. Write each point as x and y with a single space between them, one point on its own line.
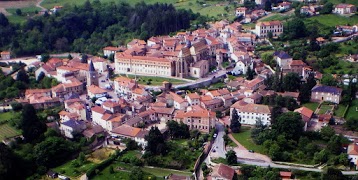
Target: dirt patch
15 4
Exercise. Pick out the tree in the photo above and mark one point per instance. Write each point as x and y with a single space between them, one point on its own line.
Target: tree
8 165
81 158
178 130
327 8
32 128
137 174
131 144
289 124
235 123
295 29
231 157
291 82
274 151
328 80
18 12
84 58
45 57
53 151
22 76
16 106
332 174
249 73
156 142
268 5
327 132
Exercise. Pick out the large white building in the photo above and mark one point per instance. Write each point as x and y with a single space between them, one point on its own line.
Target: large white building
263 28
125 64
250 113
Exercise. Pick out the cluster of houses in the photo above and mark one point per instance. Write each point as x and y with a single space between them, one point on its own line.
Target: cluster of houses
5 55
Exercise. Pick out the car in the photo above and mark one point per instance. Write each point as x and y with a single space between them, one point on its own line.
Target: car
214 150
215 135
103 81
251 151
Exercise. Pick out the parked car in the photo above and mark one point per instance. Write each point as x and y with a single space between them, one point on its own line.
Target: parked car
251 151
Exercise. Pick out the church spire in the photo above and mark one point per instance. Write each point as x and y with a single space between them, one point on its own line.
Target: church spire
91 67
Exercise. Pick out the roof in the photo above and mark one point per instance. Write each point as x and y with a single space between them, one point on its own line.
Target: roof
176 97
223 171
196 111
72 123
193 96
129 131
98 109
327 89
353 148
161 110
111 48
344 5
110 104
252 108
96 90
297 63
285 174
281 54
269 23
305 113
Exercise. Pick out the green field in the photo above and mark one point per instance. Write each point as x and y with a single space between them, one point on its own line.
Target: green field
340 110
333 20
7 131
311 105
6 116
244 138
211 8
343 67
352 110
155 81
160 172
26 13
324 108
276 17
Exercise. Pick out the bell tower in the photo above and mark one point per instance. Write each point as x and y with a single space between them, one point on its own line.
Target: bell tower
92 76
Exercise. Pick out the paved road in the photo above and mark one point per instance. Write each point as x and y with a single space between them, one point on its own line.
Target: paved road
219 144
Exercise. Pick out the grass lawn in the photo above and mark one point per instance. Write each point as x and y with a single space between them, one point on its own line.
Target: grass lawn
6 116
7 131
352 110
324 108
311 105
340 110
211 8
217 85
342 67
156 81
333 19
160 172
27 12
73 172
355 2
276 17
244 138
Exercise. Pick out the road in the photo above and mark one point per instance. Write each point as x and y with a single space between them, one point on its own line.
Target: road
38 4
219 145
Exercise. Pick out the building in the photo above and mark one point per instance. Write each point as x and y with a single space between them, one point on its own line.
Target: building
5 55
306 115
283 59
92 76
72 127
196 117
95 91
126 131
193 99
222 172
125 64
109 50
260 2
345 9
326 93
352 152
241 11
285 174
263 28
250 113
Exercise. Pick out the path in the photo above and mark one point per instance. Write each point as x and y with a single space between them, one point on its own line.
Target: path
38 4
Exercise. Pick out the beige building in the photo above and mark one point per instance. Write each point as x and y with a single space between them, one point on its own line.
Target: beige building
196 117
326 93
143 65
250 113
345 9
199 69
263 28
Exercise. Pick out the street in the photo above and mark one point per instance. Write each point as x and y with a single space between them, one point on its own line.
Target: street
219 145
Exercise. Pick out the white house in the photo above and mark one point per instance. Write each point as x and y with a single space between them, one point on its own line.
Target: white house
193 99
72 127
352 152
250 113
126 131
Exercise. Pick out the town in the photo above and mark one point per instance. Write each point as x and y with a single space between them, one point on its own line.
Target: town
276 100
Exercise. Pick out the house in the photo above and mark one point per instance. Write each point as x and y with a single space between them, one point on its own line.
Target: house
283 59
218 93
345 9
93 130
163 114
285 175
326 93
199 69
284 5
352 152
95 91
263 29
260 2
193 99
250 113
178 101
100 64
222 172
306 115
5 55
353 58
72 127
196 117
126 131
213 104
109 50
241 11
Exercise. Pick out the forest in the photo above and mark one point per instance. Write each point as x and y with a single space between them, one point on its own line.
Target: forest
90 27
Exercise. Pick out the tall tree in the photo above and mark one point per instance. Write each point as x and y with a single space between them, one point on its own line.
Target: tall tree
332 174
268 5
231 157
32 128
291 82
156 142
249 73
235 124
290 125
22 76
